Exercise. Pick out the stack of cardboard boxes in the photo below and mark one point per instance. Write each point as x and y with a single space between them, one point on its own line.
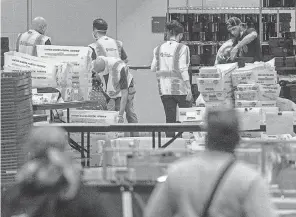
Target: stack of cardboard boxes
215 85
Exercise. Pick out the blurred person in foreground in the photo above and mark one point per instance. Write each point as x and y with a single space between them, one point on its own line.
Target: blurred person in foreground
48 184
190 182
26 42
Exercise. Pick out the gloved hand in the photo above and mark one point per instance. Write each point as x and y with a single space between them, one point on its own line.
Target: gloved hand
120 119
233 53
189 96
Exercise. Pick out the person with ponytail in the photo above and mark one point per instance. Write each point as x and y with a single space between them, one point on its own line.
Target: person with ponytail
48 184
170 62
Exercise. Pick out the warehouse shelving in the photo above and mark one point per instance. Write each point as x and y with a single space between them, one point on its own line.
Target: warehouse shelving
234 10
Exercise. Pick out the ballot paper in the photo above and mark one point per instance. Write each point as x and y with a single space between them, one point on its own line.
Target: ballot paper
250 118
279 123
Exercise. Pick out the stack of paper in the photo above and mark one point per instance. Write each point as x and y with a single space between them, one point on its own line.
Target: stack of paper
255 86
215 85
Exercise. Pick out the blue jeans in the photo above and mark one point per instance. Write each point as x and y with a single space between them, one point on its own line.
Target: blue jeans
131 115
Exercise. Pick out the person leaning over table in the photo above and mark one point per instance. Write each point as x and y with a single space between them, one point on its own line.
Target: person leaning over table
120 80
246 40
171 60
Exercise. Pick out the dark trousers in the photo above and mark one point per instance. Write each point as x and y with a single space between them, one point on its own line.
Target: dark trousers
170 103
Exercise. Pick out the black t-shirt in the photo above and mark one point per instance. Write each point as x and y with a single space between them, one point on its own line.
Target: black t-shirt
252 49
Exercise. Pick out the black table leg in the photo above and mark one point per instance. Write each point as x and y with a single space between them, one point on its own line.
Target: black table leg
159 139
88 149
153 139
82 148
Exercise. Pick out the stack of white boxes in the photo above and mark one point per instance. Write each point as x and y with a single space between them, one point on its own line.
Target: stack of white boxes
256 86
81 60
215 85
97 140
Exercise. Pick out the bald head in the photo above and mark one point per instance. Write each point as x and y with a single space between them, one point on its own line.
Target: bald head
39 24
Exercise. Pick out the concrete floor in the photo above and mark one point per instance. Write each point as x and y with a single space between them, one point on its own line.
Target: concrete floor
148 105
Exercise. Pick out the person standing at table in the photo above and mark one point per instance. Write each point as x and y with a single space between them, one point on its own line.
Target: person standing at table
246 40
26 42
170 62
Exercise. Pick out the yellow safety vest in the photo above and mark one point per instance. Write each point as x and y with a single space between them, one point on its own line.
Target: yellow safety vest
170 82
26 42
107 47
114 66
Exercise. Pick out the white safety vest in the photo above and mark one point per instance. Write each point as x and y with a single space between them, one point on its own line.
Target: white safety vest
114 67
167 64
26 42
107 47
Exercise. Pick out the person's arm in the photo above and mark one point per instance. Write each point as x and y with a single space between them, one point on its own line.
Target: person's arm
247 39
123 55
184 65
258 201
123 82
159 203
153 64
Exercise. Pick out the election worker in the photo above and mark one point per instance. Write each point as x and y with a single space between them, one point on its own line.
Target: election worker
27 41
170 62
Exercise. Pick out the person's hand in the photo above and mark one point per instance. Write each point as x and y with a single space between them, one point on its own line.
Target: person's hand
189 96
120 119
233 53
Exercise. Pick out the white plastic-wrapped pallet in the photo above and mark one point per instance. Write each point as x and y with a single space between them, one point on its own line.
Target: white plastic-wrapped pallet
82 66
45 73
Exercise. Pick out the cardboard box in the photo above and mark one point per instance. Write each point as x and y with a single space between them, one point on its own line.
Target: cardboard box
80 57
44 73
216 82
219 104
248 87
194 114
269 92
216 96
255 103
250 95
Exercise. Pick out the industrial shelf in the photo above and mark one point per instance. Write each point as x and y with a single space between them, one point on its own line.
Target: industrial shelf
228 8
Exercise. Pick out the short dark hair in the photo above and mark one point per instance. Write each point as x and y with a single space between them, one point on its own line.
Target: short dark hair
174 27
100 24
222 130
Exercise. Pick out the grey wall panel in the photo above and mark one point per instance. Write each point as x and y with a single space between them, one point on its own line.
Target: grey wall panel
70 21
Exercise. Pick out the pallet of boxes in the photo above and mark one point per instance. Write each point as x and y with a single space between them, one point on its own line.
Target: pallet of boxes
251 90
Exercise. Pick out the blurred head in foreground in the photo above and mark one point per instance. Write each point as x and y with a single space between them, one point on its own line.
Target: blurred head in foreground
47 166
222 130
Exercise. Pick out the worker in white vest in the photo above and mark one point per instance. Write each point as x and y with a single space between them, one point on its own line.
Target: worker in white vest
117 80
104 45
27 41
171 61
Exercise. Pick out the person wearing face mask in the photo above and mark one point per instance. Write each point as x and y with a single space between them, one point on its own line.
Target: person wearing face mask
104 45
26 42
170 62
246 40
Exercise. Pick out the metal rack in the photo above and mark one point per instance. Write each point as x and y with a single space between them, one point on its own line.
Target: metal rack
238 10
